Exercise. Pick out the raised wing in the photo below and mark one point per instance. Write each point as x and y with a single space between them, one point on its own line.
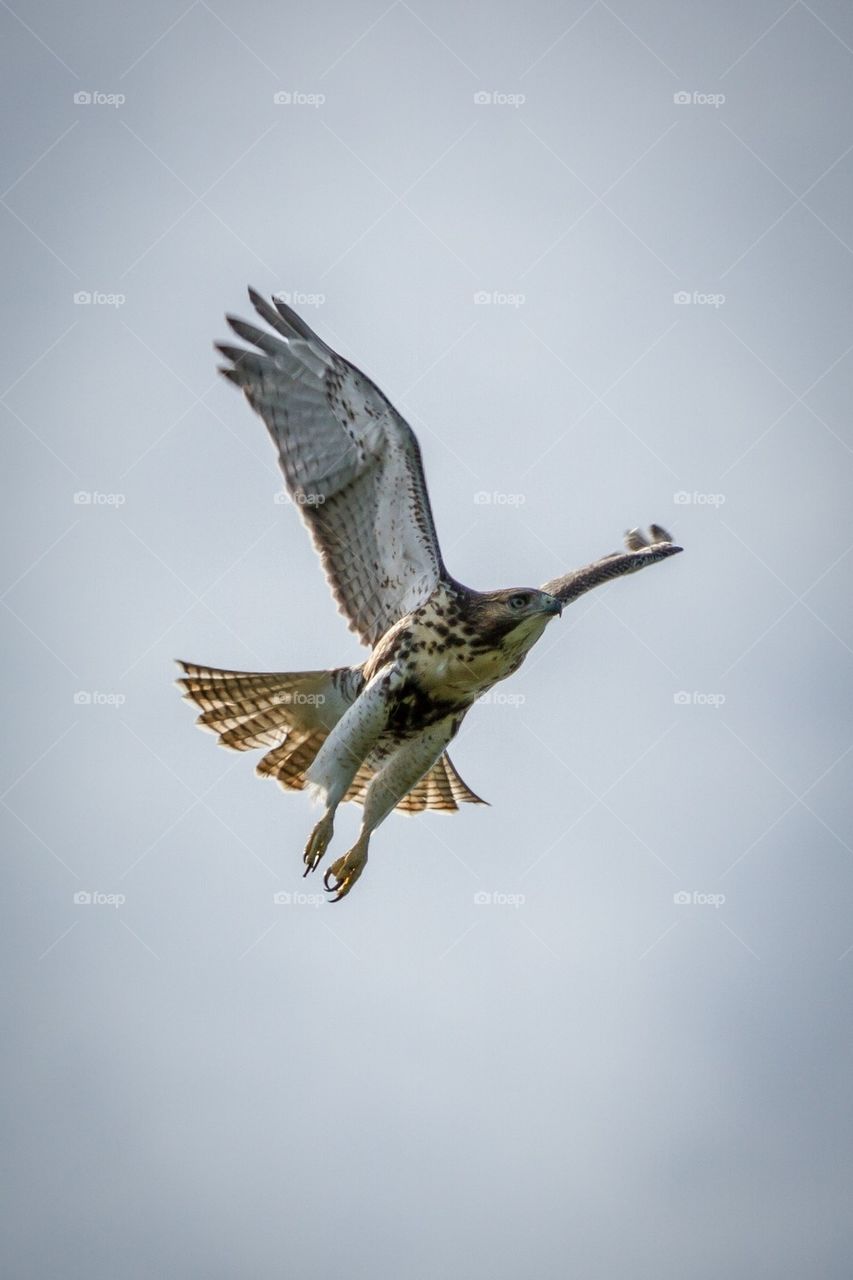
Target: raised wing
641 550
351 464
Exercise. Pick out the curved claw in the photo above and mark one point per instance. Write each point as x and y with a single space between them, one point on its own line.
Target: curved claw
335 891
318 842
343 873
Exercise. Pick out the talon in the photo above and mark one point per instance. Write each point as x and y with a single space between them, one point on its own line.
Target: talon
317 844
343 873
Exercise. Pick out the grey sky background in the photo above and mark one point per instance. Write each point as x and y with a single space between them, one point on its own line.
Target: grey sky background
584 1074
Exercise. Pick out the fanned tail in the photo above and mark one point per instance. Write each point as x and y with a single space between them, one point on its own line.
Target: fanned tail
441 789
293 713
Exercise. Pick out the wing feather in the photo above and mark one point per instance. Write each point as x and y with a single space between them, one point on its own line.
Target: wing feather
350 462
641 550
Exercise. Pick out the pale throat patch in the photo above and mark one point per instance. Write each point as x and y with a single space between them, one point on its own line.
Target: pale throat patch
457 673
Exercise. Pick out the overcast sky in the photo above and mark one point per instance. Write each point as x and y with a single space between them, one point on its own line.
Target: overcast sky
601 257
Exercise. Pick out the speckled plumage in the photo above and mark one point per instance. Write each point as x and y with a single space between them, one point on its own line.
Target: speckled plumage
375 733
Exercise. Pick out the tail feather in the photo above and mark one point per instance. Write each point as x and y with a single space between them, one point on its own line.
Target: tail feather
293 713
240 684
290 762
441 789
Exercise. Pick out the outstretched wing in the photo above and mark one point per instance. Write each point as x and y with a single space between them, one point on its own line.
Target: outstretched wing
641 550
351 464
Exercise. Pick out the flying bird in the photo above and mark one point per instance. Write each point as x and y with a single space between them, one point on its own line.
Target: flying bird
376 733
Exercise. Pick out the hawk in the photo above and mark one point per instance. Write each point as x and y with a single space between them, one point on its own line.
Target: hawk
377 733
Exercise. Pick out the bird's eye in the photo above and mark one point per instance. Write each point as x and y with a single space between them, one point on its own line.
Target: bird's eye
519 601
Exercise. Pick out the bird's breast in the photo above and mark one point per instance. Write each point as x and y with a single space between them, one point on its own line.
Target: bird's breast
462 672
448 658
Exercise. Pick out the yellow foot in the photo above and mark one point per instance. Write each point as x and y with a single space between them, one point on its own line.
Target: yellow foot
317 844
343 873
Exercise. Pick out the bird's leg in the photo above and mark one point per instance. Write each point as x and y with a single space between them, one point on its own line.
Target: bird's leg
337 762
408 764
343 873
318 841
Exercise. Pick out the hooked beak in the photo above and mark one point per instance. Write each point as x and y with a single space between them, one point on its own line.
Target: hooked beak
553 606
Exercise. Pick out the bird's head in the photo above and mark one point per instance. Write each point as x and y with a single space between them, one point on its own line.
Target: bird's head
521 613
